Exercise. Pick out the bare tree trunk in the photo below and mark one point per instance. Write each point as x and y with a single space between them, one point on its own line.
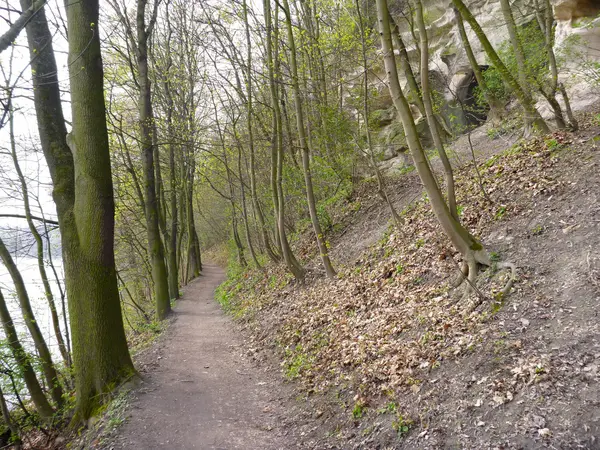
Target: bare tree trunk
277 150
433 126
41 346
250 111
310 196
532 118
381 188
245 209
495 109
40 248
36 393
467 245
146 119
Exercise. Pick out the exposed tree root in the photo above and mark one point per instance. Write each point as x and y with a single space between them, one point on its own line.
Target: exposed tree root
469 271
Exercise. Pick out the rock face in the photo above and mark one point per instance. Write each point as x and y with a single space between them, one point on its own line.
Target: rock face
577 40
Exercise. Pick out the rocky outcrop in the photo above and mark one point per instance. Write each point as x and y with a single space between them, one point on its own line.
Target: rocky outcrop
577 39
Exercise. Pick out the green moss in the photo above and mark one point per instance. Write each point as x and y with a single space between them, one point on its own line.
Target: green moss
476 246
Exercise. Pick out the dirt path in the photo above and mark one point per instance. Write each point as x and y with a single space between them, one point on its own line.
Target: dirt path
202 393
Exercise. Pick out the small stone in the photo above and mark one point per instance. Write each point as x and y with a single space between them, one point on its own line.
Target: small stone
544 432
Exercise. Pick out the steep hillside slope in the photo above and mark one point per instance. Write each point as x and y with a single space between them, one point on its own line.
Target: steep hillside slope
391 355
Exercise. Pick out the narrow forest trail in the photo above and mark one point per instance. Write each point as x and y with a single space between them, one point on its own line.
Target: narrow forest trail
201 393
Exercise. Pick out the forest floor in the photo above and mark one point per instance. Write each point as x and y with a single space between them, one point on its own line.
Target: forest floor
389 355
198 389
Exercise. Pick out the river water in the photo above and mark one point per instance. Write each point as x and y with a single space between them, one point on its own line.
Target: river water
28 267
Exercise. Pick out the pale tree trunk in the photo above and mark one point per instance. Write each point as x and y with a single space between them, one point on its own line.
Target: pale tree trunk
415 95
433 126
42 406
465 243
413 87
545 19
310 196
550 94
532 118
100 354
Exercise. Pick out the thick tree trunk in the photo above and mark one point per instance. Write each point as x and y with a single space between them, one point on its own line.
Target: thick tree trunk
100 355
310 196
36 393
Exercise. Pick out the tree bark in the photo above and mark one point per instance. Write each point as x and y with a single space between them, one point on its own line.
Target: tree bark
100 354
146 119
532 118
433 125
466 244
310 196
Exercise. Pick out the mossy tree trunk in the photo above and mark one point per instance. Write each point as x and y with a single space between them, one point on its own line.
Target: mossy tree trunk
146 120
173 267
495 112
84 185
266 241
532 119
433 125
465 243
272 52
39 247
310 196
